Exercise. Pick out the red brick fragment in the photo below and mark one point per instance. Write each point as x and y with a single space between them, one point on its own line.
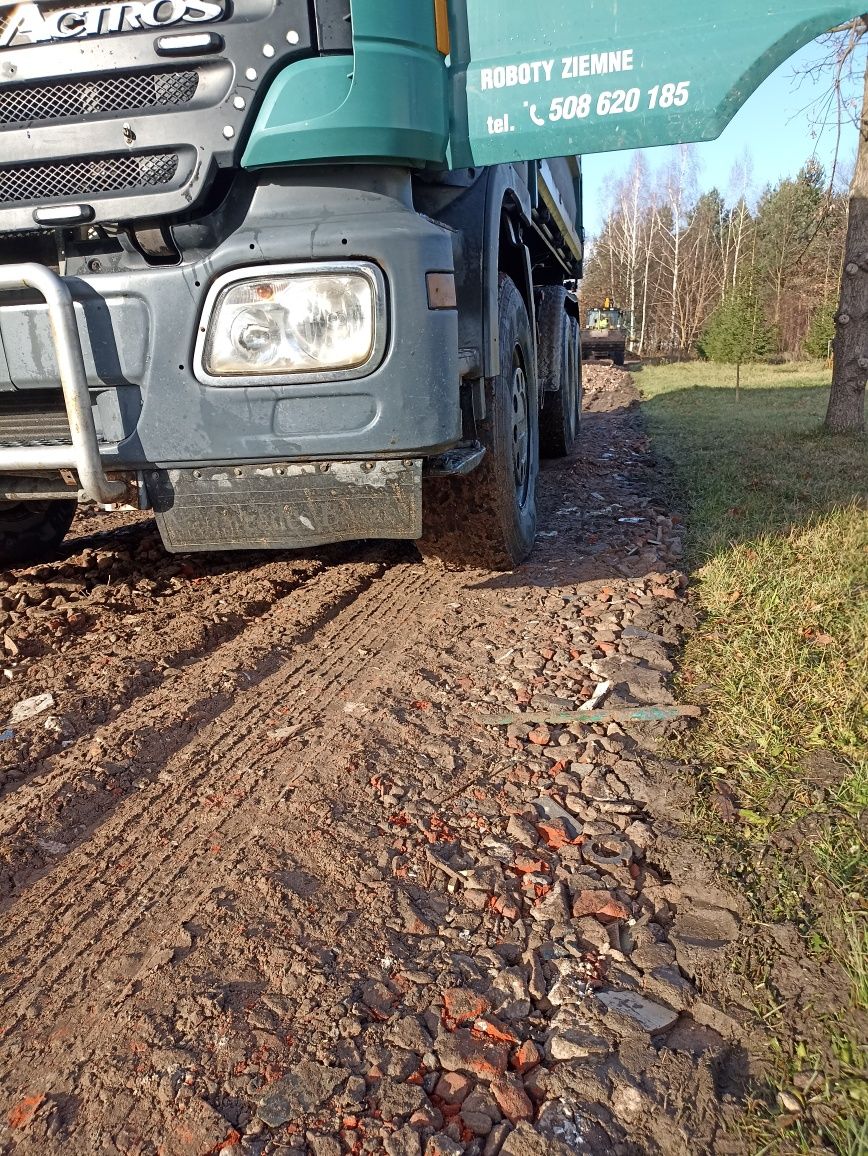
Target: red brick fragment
540 737
23 1112
453 1088
484 1058
512 1099
555 834
525 1057
600 904
462 1006
663 592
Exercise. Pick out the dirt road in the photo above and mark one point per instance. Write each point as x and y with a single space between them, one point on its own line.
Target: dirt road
271 884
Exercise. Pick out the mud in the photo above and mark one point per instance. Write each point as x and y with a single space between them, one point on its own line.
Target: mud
271 885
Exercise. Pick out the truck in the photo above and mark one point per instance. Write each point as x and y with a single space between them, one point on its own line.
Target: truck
604 337
289 272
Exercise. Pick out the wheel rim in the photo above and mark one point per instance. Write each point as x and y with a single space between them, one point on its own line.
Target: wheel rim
520 428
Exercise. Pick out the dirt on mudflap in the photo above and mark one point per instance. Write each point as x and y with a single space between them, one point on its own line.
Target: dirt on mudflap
272 884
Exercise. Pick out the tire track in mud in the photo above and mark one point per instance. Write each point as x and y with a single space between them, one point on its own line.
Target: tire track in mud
331 589
105 891
179 628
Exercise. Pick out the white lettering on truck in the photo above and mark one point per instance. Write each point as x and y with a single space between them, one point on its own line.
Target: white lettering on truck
597 64
511 75
27 25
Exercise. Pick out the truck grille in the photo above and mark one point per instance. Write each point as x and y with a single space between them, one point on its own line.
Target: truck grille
82 179
117 92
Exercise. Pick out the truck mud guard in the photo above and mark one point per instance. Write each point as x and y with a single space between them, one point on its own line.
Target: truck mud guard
83 454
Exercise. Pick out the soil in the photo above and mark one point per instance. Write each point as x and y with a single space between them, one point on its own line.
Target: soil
273 881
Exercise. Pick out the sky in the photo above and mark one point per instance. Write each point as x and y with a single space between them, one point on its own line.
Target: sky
775 126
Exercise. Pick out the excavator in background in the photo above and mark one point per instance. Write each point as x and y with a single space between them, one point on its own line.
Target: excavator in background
604 337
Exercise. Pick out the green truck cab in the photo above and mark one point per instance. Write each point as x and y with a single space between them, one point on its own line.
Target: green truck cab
293 272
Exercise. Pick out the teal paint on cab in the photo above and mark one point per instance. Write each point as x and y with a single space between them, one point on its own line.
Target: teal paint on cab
529 80
386 102
558 77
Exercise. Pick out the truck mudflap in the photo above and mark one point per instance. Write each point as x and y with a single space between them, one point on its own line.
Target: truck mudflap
286 505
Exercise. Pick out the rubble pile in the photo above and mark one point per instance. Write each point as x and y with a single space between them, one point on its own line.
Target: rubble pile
537 975
328 854
606 387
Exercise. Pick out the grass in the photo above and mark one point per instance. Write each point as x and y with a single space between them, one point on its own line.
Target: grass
777 539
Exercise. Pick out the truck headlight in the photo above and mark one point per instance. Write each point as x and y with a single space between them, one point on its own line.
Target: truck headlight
293 322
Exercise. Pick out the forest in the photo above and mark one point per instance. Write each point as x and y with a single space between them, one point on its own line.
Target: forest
678 258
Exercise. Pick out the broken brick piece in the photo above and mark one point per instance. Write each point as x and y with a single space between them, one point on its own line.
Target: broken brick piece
463 1006
555 833
462 1051
21 1115
525 1057
511 1098
600 904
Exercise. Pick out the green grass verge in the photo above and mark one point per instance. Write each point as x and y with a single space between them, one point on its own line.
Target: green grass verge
777 539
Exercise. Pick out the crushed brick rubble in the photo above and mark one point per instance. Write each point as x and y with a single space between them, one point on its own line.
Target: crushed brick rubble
461 939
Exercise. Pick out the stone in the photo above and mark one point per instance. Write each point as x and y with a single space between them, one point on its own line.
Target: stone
301 1091
638 1011
574 1044
322 1145
404 1142
202 1129
481 1100
509 995
494 1143
479 1123
397 1100
591 934
441 1145
461 1051
667 983
522 831
647 956
536 980
524 1141
409 1033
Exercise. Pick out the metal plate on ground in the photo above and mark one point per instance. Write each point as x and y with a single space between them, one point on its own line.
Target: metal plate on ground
286 506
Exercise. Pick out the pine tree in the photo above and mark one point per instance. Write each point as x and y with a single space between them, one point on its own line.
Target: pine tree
737 332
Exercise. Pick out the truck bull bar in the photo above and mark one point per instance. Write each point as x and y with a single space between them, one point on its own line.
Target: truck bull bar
83 455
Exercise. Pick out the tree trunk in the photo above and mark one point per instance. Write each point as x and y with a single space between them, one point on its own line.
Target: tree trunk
846 412
738 381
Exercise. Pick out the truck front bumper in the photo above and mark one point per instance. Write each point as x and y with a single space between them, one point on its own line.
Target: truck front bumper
125 341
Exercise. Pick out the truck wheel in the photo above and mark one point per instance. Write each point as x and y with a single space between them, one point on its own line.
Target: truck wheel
619 357
488 519
560 375
32 531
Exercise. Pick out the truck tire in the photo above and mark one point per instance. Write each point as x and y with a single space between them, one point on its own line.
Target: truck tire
487 520
619 356
32 531
560 379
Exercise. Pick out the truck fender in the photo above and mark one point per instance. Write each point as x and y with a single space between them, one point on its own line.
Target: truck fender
507 208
